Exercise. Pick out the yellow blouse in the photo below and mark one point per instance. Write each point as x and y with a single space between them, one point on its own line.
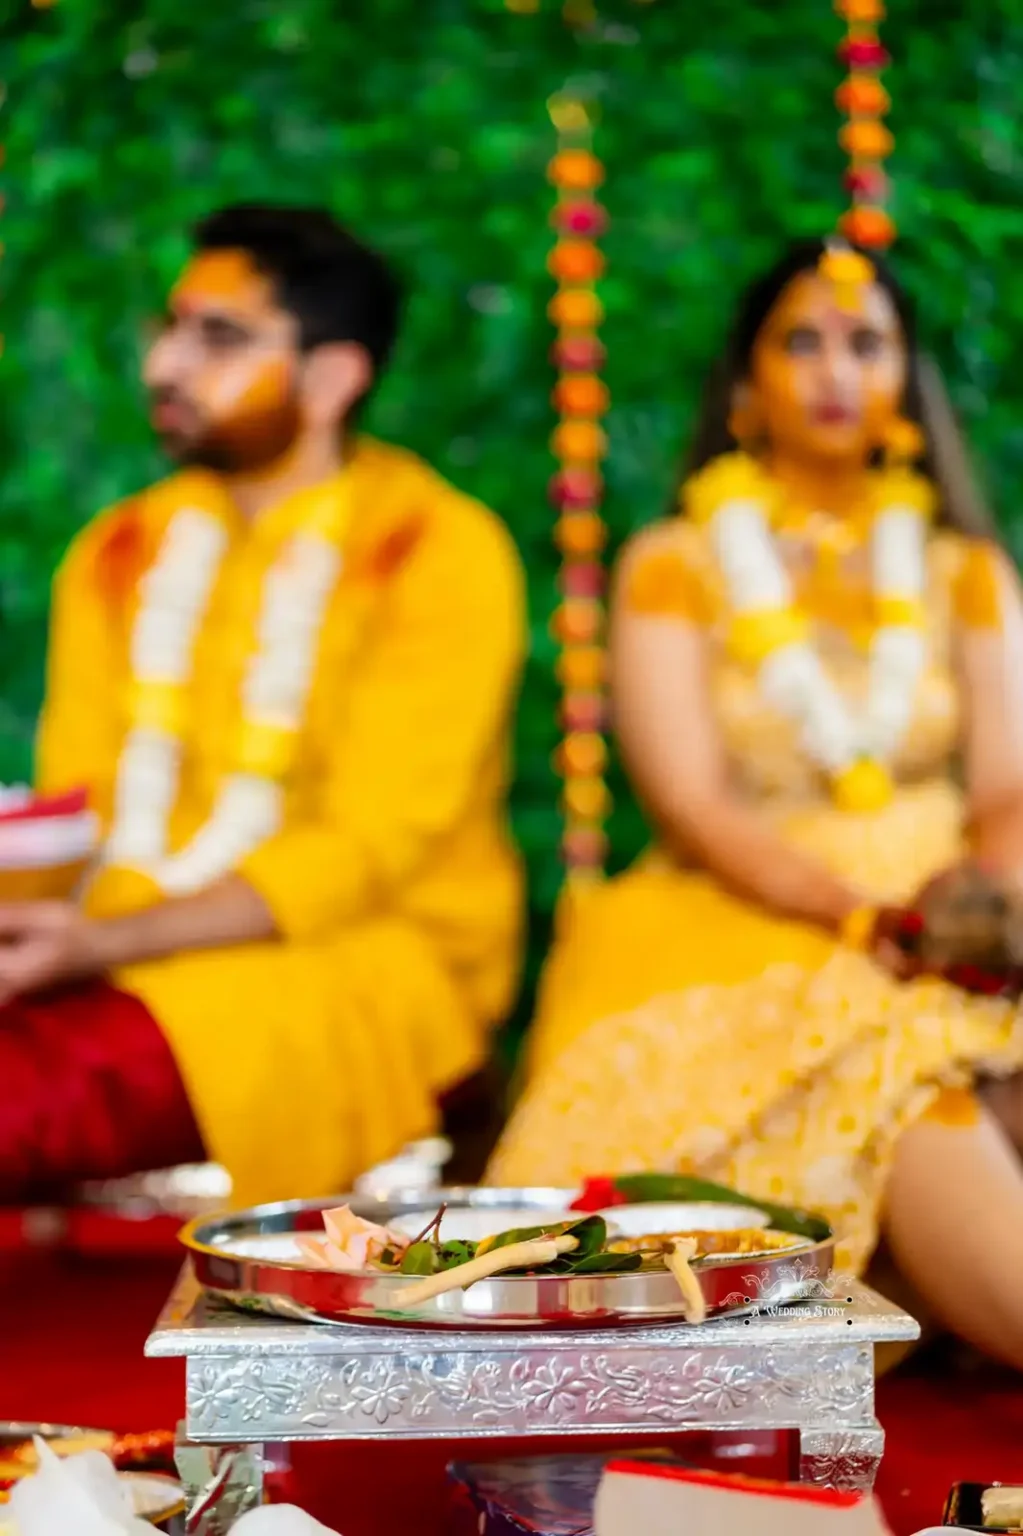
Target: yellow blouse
674 574
394 818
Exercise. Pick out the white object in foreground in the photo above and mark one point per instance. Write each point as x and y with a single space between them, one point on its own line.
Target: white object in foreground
666 1501
280 1520
79 1494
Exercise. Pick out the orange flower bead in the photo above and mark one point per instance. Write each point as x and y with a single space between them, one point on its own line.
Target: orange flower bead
860 10
581 669
576 170
870 227
577 621
586 798
580 533
581 394
583 754
575 310
862 96
575 261
579 442
866 140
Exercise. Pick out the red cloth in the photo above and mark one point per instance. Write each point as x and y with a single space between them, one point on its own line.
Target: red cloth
88 1090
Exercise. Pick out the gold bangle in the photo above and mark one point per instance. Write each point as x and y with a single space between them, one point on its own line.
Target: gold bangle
857 929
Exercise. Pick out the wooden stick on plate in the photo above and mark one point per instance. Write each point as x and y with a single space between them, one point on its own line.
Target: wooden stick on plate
528 1255
678 1258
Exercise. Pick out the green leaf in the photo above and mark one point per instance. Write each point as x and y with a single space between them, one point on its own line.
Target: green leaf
458 1251
591 1232
419 1259
603 1263
429 1258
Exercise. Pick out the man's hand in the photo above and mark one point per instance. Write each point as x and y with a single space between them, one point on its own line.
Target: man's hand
43 943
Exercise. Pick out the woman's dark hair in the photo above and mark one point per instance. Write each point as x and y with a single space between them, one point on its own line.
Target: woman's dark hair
926 401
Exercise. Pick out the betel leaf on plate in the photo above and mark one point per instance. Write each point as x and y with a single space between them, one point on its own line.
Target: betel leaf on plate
605 1263
428 1258
677 1188
589 1258
589 1231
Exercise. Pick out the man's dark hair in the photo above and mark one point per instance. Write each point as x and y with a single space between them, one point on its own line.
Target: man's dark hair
336 287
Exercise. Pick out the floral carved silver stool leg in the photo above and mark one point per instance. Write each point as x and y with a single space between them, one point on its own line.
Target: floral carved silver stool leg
846 1458
221 1483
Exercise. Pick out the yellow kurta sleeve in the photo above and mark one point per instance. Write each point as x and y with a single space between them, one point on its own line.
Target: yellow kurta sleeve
428 715
77 739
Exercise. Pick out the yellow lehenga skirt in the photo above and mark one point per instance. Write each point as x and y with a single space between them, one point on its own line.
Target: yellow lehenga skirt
683 1028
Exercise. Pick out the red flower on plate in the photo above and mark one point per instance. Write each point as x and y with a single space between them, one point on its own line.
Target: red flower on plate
597 1194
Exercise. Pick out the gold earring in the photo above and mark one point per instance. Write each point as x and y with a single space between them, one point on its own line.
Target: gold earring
903 443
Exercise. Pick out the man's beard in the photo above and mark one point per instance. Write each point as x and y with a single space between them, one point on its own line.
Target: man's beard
247 443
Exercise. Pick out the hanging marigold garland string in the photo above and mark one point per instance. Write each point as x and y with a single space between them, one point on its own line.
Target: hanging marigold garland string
579 444
864 101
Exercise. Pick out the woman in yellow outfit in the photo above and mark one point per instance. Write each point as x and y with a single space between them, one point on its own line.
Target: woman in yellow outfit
815 688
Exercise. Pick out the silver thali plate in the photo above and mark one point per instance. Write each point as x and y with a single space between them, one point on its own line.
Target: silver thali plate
250 1260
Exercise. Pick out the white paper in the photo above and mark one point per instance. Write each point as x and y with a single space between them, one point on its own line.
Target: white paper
80 1495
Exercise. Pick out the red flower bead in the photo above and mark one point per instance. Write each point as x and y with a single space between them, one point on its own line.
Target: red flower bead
583 712
867 181
578 354
587 219
583 579
575 489
584 848
864 53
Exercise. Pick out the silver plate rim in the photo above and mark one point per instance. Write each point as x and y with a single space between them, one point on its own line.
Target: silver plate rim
290 1290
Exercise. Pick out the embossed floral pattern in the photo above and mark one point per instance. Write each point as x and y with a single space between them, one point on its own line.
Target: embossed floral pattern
534 1391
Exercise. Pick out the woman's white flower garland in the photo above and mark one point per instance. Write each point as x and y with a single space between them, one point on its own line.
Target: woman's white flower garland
174 597
852 748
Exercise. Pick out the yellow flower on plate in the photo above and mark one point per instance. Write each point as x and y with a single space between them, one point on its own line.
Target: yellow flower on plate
863 787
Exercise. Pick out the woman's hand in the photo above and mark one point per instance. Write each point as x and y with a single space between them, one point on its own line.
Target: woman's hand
888 942
965 916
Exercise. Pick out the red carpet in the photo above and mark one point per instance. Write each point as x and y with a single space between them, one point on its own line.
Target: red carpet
71 1351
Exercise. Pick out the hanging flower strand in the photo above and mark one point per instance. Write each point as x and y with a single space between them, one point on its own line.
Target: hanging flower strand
864 101
579 444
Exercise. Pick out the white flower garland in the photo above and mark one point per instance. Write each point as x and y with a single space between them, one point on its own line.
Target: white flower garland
768 627
174 596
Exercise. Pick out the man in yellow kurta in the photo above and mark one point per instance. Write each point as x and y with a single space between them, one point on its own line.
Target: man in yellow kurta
286 675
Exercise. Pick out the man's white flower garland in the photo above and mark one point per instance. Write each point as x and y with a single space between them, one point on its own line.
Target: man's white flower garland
853 748
174 596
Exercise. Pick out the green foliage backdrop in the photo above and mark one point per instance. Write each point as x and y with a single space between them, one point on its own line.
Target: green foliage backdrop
423 123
